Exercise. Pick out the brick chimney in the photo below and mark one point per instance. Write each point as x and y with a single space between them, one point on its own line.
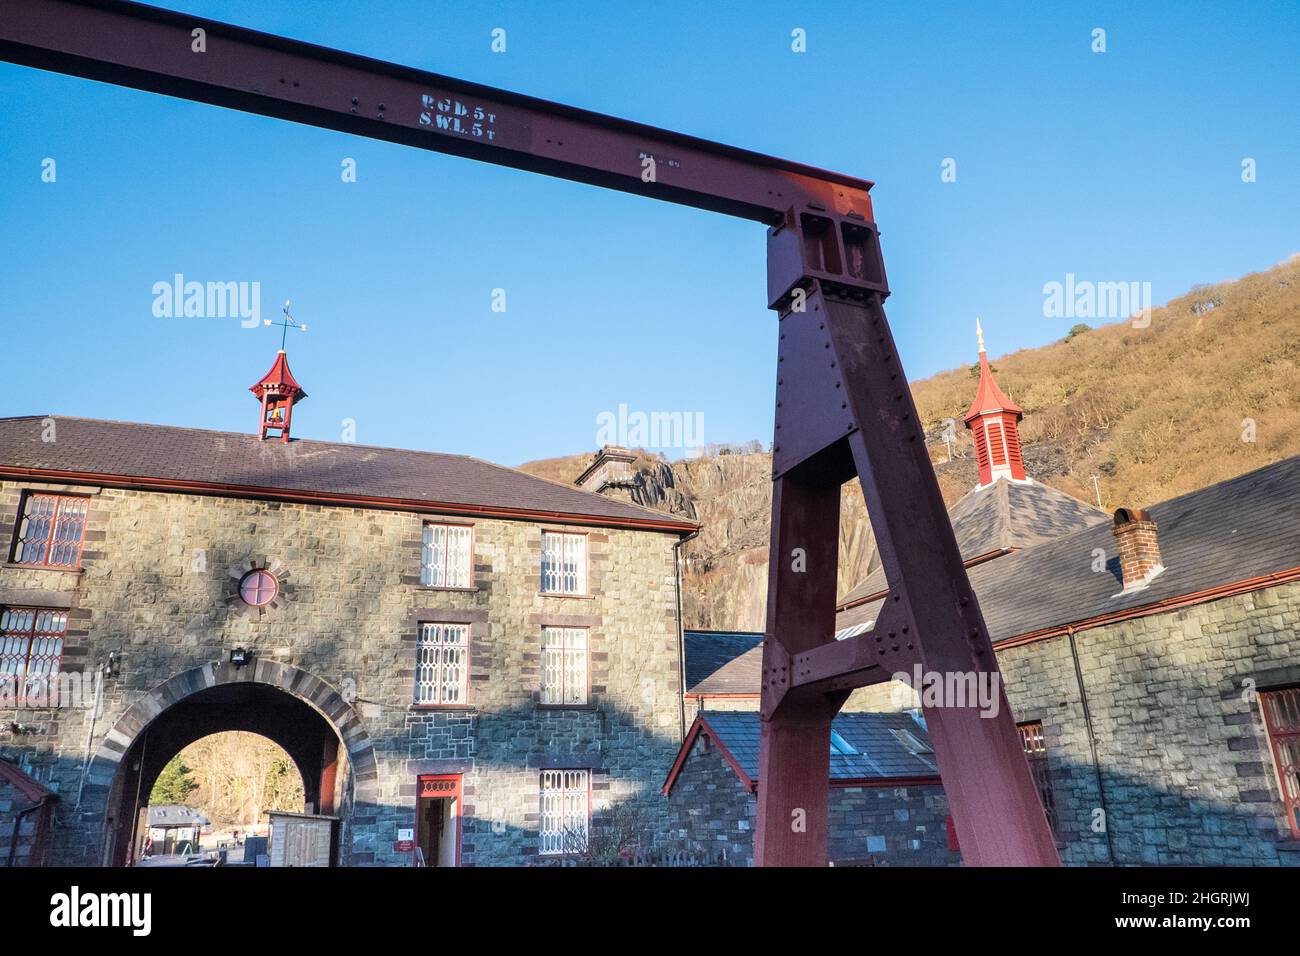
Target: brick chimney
1139 547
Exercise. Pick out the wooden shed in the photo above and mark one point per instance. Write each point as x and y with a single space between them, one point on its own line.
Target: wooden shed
303 839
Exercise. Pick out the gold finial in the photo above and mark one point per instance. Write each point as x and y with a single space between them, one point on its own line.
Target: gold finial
979 333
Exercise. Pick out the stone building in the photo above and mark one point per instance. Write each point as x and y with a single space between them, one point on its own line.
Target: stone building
887 806
1152 659
713 682
26 808
467 664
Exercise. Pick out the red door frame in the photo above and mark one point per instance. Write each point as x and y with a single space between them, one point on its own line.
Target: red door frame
436 785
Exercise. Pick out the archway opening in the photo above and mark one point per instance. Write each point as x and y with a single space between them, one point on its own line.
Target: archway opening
281 722
216 794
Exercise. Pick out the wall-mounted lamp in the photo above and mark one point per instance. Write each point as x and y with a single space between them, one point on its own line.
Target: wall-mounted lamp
113 663
240 656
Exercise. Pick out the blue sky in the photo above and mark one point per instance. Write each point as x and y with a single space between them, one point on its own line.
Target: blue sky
1115 166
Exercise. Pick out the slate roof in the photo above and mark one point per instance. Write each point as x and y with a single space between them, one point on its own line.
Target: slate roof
740 675
706 651
1005 516
1240 529
1245 528
172 815
880 754
443 482
1016 514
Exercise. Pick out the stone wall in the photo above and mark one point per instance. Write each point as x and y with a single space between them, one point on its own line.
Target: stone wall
890 826
694 705
712 812
159 586
1186 771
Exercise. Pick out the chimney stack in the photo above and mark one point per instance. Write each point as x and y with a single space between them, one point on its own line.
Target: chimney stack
611 473
1139 547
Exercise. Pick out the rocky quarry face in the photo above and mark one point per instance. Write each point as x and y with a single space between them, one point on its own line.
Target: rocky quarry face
724 568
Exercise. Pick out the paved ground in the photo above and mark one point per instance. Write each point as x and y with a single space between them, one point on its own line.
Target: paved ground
234 857
173 859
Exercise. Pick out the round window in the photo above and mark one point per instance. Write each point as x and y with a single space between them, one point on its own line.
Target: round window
258 588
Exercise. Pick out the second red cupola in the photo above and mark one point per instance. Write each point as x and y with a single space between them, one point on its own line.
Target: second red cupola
994 421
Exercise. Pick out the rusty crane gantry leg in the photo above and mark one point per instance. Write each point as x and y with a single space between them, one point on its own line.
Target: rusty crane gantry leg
843 408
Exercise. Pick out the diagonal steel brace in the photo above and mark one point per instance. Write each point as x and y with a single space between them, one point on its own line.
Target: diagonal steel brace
843 410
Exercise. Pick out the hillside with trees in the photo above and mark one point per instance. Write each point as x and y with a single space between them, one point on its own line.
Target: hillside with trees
234 778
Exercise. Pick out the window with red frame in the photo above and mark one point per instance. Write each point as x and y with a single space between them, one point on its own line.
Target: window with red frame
566 811
447 559
1282 720
564 563
51 529
442 664
1031 739
564 665
31 644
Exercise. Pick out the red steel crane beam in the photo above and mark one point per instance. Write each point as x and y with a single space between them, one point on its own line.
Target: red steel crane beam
149 48
843 409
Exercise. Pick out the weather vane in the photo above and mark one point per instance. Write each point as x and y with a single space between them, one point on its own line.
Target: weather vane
289 323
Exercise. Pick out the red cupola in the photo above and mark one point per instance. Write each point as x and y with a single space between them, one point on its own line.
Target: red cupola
278 391
994 420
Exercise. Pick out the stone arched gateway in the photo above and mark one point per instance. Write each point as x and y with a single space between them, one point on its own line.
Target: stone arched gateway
288 705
